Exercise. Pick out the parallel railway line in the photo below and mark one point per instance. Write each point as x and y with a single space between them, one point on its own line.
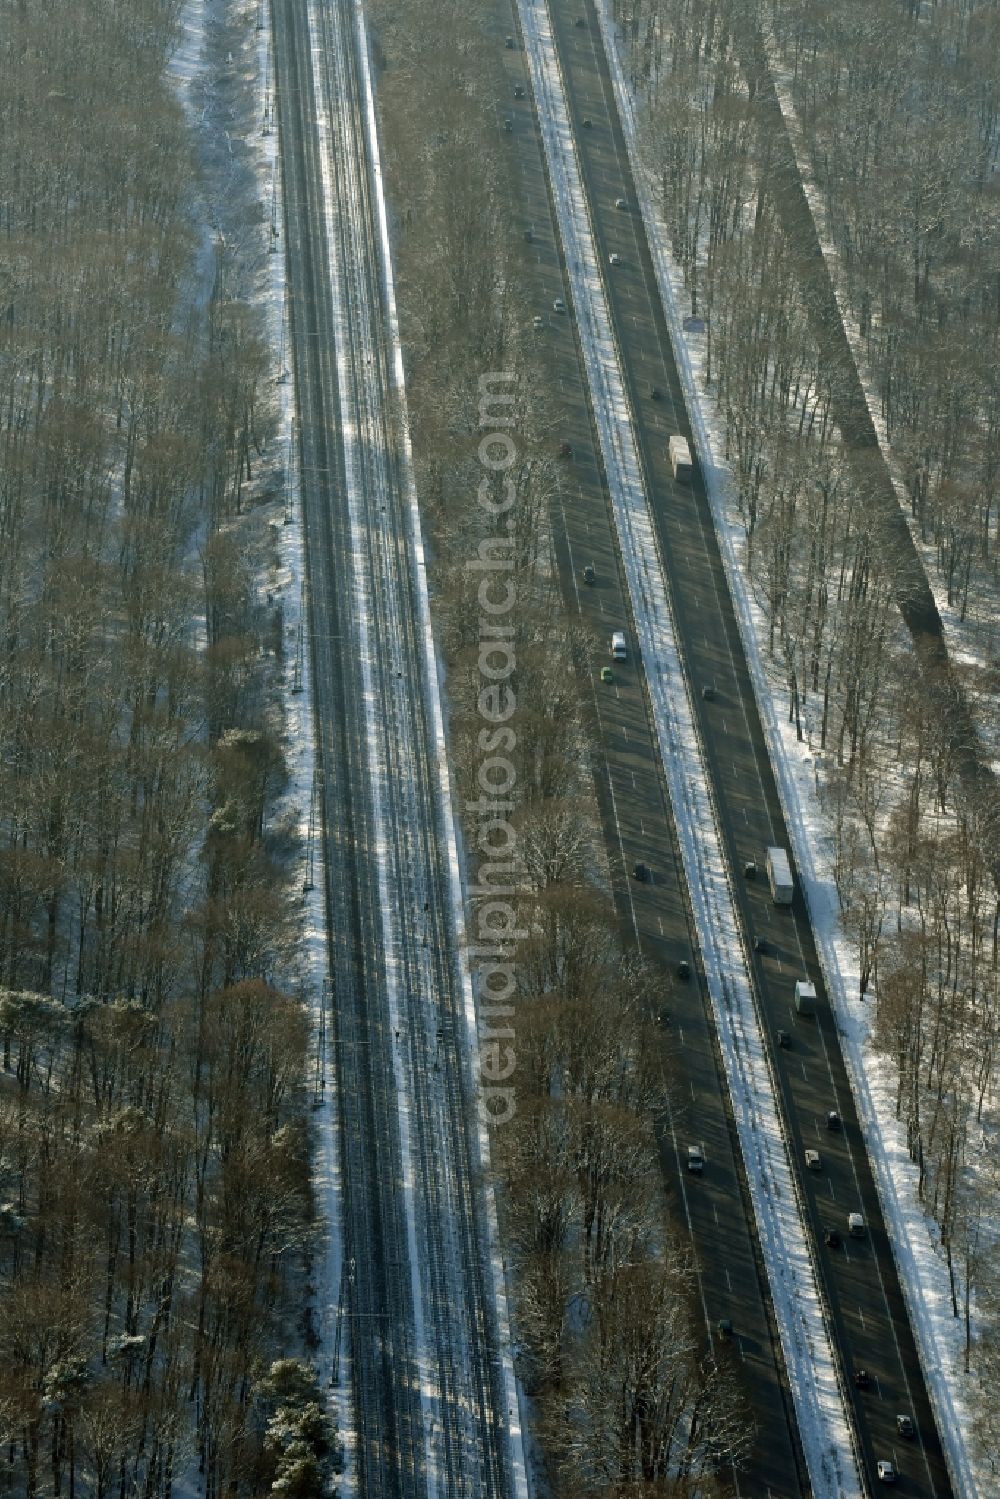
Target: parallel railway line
430 1398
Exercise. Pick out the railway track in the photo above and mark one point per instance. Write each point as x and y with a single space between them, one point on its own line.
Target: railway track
431 1390
377 1300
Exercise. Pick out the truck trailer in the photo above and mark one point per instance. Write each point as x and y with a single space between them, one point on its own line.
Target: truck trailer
680 457
779 877
805 997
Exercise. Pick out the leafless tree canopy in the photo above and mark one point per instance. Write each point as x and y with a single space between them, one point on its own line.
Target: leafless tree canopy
154 1197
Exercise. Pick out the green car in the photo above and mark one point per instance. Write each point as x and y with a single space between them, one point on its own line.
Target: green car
607 675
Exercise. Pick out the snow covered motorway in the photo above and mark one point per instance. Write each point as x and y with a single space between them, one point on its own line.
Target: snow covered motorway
923 1278
725 809
822 1409
423 1334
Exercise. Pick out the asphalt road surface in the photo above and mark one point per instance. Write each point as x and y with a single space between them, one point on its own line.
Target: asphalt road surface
859 1279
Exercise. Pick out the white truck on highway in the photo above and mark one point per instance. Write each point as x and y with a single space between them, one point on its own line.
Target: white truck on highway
680 457
805 997
779 877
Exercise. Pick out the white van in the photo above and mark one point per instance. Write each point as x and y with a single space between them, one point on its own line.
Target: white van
619 650
855 1225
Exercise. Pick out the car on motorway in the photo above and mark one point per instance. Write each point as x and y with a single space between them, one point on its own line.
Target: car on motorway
814 1161
683 969
565 449
831 1238
641 872
558 305
833 1120
618 648
750 869
655 393
537 322
760 944
519 91
783 1039
708 692
905 1426
621 203
885 1470
586 122
696 1159
579 21
862 1379
590 573
614 258
508 124
509 43
855 1225
607 675
724 1328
